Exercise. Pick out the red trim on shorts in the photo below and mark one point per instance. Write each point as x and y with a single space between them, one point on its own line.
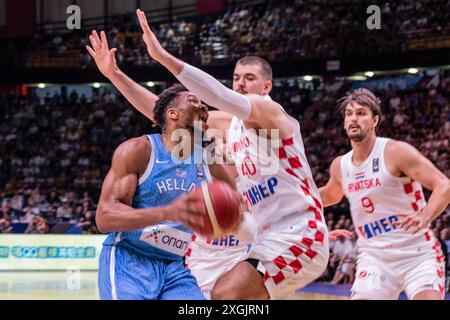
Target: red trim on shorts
291 163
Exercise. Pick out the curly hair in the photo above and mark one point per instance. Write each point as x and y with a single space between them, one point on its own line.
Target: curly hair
168 98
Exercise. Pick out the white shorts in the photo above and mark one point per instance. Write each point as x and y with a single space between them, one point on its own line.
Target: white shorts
292 253
383 275
207 262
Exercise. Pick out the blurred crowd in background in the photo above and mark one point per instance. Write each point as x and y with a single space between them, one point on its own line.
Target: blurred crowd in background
287 30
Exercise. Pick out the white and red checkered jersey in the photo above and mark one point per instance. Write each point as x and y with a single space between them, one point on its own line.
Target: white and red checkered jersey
376 198
274 173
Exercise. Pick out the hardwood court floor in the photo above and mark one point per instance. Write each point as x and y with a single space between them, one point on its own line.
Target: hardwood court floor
44 285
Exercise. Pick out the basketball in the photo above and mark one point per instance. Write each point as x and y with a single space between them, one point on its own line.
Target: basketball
222 208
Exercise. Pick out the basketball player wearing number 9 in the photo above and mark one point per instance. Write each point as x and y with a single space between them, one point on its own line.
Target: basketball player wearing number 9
368 205
390 173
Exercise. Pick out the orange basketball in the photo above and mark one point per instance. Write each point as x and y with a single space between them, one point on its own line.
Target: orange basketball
222 208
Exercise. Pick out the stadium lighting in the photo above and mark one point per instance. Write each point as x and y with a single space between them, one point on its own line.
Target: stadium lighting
369 74
150 84
413 70
357 78
96 85
307 78
42 86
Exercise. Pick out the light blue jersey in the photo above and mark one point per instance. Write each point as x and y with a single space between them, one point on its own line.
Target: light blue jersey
163 181
162 245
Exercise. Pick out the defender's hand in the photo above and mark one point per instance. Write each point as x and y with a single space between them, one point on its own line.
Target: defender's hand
154 48
104 58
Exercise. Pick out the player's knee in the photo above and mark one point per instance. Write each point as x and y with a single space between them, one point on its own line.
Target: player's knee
220 292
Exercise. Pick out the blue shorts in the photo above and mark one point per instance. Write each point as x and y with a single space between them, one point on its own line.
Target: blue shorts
127 275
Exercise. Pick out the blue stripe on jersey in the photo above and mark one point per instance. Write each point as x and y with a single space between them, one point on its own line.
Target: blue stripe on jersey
164 180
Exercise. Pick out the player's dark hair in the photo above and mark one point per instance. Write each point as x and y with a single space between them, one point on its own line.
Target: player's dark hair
266 69
363 97
167 99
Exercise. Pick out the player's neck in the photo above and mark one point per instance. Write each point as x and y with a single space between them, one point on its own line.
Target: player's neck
182 147
362 149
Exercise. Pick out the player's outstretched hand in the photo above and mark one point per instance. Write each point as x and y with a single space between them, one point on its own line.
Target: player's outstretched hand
188 209
334 234
104 58
411 222
154 48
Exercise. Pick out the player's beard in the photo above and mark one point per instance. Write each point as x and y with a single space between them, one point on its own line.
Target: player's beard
358 136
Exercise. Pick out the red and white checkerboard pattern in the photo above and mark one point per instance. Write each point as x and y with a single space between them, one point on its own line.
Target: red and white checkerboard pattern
412 189
290 259
440 259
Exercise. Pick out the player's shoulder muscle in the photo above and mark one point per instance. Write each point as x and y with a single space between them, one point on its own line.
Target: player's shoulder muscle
132 156
335 169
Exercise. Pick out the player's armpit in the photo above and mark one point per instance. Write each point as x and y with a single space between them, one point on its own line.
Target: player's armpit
265 114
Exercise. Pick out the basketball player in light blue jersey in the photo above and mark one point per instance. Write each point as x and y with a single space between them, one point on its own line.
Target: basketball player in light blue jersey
146 207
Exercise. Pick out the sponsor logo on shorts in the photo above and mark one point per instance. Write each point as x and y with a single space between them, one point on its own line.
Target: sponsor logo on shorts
375 228
228 241
167 238
373 279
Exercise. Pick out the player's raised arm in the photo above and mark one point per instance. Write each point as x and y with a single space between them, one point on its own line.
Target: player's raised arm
407 160
142 99
114 211
255 109
332 193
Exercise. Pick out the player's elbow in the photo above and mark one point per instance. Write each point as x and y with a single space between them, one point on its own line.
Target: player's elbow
102 221
441 186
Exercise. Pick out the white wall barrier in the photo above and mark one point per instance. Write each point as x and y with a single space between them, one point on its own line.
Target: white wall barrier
49 252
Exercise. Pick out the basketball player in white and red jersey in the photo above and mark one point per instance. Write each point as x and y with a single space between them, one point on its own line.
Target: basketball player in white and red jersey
291 248
382 179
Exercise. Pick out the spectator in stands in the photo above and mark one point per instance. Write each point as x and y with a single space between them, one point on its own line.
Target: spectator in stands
345 271
50 213
64 212
33 226
29 212
5 226
291 30
87 223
